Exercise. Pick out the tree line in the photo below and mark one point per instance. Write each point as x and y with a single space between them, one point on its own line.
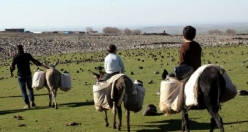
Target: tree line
127 31
116 31
218 32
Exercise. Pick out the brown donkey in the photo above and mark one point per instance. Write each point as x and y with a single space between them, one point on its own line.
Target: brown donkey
122 86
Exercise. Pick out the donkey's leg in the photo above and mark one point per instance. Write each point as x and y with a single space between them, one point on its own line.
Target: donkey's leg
185 120
106 118
213 124
119 117
128 119
213 109
216 119
50 97
54 93
114 115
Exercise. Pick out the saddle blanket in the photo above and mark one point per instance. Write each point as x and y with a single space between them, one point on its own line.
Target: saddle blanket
99 93
191 86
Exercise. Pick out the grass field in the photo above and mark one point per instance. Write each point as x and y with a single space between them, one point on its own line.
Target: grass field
77 104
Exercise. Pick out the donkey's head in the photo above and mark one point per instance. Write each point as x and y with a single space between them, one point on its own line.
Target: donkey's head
53 65
100 75
164 74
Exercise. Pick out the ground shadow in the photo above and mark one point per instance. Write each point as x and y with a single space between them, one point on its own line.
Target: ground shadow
175 125
236 122
78 104
5 112
21 95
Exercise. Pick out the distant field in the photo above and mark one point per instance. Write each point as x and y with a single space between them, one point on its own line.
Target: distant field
77 105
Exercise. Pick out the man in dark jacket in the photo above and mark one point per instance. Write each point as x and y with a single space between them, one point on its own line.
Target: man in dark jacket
22 60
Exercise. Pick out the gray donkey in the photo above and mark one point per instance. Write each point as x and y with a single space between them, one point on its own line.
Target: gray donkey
52 83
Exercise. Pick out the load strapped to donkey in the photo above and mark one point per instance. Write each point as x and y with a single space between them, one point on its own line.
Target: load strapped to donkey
181 90
135 100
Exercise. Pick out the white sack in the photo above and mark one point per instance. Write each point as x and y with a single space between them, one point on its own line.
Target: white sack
171 96
38 81
100 99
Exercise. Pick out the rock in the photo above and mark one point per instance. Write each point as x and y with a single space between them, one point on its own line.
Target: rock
150 110
22 125
242 92
150 82
73 124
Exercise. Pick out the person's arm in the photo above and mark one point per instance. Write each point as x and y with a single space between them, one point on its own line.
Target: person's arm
105 65
12 66
37 63
182 52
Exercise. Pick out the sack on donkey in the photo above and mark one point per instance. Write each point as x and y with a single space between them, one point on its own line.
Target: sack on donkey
65 82
137 97
38 80
171 96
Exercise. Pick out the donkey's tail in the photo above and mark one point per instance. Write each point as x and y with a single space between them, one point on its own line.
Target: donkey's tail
221 88
219 93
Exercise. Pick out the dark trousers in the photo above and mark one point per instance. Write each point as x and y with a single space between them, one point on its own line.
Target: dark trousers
23 81
108 76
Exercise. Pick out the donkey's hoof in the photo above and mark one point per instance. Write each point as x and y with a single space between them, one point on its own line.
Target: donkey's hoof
56 107
107 125
114 127
119 129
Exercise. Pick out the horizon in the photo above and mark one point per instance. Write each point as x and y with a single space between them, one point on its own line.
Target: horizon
241 27
77 15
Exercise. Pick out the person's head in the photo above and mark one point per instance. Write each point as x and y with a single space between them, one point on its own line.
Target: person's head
111 48
189 33
19 49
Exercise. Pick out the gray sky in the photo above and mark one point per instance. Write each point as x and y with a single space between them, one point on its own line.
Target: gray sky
79 14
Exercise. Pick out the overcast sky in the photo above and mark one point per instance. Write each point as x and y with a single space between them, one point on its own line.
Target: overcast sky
79 14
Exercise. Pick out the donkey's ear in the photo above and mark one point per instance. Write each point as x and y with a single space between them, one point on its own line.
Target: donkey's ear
164 74
56 63
95 75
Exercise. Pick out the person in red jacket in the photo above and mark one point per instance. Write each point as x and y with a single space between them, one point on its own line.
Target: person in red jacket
22 60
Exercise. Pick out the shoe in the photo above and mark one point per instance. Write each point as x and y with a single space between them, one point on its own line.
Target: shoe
33 104
27 106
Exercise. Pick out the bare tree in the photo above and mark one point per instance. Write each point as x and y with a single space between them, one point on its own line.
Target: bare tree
211 32
127 31
112 30
218 32
136 32
89 29
230 32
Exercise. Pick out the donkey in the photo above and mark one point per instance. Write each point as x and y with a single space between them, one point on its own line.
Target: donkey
123 86
52 83
211 86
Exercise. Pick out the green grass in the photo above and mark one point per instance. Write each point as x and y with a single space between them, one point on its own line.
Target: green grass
77 104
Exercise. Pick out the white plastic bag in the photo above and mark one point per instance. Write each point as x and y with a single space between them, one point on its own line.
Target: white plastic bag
171 96
38 81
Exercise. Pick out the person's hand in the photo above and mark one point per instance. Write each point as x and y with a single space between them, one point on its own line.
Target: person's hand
11 74
45 66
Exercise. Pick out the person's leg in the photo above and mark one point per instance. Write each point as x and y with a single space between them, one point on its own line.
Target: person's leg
22 84
30 89
106 77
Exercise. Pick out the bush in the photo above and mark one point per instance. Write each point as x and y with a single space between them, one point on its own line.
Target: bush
111 30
